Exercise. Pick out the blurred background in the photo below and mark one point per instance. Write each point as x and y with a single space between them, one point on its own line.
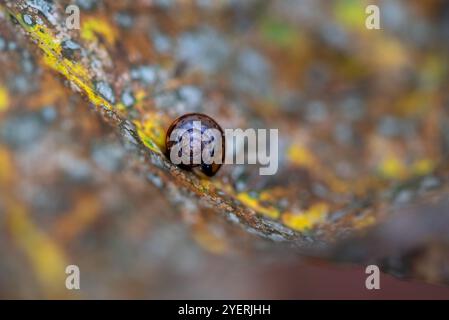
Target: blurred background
363 142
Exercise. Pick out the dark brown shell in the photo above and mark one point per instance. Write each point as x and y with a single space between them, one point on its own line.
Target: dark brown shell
186 122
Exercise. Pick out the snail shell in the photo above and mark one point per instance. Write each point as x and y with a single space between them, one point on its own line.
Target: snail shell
199 141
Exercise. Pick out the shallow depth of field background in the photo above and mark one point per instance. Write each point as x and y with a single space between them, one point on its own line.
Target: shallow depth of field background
364 135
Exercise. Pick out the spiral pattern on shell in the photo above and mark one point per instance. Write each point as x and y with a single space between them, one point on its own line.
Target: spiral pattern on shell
198 140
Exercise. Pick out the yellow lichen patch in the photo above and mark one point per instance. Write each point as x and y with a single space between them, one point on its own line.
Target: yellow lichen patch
140 95
300 156
392 167
120 107
152 131
307 219
46 258
210 241
4 98
74 72
254 204
266 195
351 13
422 167
6 166
78 75
206 185
415 103
336 184
364 222
92 27
386 53
45 38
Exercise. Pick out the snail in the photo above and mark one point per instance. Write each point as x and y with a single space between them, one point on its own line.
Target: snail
196 142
